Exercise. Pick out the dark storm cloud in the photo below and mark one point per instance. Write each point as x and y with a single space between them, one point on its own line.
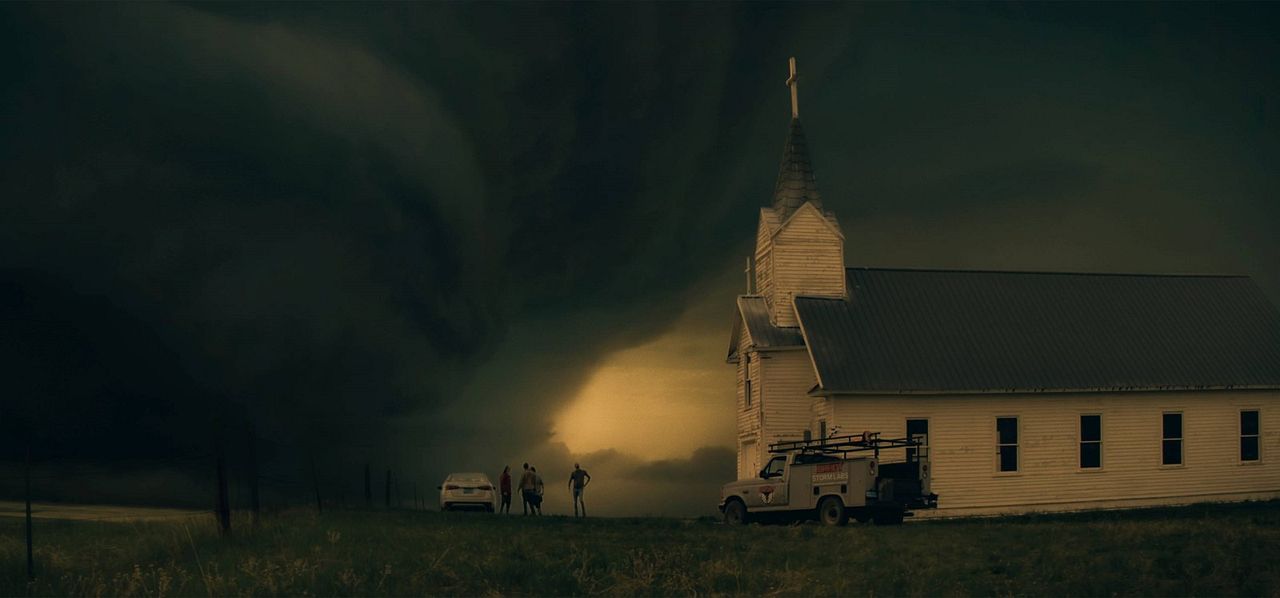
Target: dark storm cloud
323 229
407 232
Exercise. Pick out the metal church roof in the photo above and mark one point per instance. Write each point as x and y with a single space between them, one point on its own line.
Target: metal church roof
949 331
755 314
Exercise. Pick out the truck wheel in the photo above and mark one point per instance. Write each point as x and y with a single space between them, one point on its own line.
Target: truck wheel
735 513
888 518
831 511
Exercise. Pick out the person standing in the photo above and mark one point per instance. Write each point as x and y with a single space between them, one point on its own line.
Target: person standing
537 489
578 481
527 485
504 487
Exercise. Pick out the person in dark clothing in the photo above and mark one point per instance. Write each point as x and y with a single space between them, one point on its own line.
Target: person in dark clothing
504 487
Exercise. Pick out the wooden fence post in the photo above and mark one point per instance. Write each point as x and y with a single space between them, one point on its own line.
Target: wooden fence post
315 483
31 562
254 504
224 499
368 487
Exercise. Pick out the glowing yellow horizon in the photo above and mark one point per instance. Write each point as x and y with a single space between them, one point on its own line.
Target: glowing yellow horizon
664 398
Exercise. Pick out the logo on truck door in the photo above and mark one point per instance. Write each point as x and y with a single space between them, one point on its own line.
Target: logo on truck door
766 494
830 472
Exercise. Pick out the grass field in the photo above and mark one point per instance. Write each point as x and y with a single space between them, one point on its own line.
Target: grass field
1198 550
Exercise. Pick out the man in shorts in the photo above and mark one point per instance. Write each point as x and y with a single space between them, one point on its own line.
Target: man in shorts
537 490
527 486
578 481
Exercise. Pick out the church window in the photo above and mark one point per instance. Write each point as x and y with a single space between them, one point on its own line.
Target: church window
822 428
1249 435
1171 440
918 429
1007 444
1090 441
747 391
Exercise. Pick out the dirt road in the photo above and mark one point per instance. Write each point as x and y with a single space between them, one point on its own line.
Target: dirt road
94 512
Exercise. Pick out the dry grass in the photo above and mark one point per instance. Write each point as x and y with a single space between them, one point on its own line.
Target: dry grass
1201 550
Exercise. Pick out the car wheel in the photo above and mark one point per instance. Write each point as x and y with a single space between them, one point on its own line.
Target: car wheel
831 512
735 513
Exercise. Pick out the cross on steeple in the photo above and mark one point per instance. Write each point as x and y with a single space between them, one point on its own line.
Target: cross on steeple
795 175
791 82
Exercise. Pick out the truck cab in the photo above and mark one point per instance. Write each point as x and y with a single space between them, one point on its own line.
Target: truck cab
833 479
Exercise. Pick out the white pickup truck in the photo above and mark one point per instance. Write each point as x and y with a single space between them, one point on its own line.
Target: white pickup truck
833 479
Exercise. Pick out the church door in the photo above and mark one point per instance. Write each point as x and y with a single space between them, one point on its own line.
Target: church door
748 460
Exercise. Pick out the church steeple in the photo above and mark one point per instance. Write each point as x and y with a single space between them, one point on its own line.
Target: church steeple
799 246
796 184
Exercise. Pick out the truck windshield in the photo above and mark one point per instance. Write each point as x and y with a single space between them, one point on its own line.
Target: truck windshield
774 468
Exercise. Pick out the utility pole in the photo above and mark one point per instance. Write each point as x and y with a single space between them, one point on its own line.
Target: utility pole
388 490
31 562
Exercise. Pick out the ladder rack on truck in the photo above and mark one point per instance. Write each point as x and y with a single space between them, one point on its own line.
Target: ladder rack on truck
850 443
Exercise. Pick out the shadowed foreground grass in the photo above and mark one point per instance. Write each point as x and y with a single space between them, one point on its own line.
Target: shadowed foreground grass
1200 550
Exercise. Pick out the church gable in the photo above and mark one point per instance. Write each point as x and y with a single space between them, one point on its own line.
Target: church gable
807 259
809 225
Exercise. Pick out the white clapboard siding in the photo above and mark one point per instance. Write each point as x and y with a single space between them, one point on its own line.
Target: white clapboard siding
821 410
807 258
962 440
788 376
764 276
764 256
748 415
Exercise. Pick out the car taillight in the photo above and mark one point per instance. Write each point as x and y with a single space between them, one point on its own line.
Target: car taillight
451 487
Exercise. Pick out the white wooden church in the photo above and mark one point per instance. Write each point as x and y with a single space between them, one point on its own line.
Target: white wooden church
1036 391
